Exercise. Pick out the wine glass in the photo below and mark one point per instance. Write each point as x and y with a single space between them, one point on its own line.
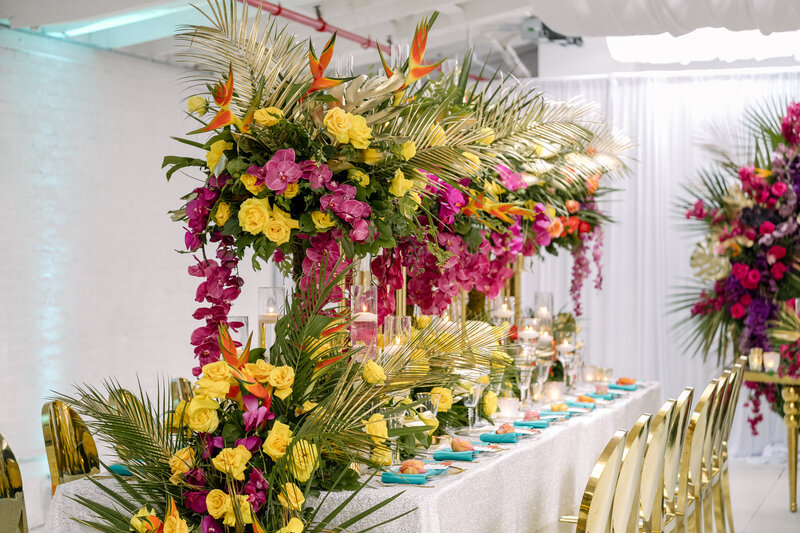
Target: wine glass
542 369
565 346
471 402
430 402
525 370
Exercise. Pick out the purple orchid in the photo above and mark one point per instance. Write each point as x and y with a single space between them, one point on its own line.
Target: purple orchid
318 175
256 489
281 170
196 501
252 443
360 231
209 525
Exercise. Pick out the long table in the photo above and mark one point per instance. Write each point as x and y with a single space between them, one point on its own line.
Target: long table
526 487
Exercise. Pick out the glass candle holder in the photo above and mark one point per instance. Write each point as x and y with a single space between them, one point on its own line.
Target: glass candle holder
503 310
528 331
554 391
543 307
239 330
589 374
508 406
754 359
270 303
771 361
364 328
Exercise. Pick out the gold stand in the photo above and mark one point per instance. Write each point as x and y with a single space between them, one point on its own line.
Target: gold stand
791 411
518 288
400 296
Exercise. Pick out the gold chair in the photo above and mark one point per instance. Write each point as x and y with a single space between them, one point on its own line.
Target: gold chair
12 500
71 451
651 494
689 509
625 507
664 518
595 510
180 389
713 432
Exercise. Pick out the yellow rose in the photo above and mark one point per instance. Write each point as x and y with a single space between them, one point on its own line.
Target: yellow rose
338 123
232 461
360 134
203 414
304 457
445 398
223 213
245 511
259 371
174 524
291 497
376 428
180 463
488 136
490 403
359 176
282 378
483 379
307 406
436 135
277 440
179 417
475 162
373 372
218 503
268 116
277 231
279 213
291 190
249 182
432 423
215 154
322 220
139 522
371 156
254 215
295 525
381 455
414 195
197 104
400 185
408 150
215 382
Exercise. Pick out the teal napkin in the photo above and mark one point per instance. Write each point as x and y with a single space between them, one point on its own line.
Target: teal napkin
408 479
537 424
622 387
120 470
581 405
449 455
495 438
596 396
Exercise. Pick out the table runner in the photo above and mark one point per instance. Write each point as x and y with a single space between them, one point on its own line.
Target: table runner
526 488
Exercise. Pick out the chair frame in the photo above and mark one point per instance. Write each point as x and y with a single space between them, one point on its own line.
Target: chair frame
651 491
625 507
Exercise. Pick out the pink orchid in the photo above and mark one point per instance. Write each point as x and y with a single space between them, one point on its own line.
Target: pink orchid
281 170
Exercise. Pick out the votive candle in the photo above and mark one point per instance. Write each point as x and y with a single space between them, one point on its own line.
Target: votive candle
771 361
754 359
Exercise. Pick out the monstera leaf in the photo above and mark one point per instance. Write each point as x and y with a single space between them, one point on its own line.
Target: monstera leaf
708 265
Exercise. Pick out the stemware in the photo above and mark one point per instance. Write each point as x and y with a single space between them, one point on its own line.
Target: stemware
430 402
240 333
543 307
525 370
565 346
471 400
505 357
542 370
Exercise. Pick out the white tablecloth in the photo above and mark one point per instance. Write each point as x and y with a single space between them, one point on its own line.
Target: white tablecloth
525 488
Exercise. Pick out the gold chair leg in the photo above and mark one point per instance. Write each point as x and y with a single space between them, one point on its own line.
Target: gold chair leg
708 514
719 505
726 492
791 409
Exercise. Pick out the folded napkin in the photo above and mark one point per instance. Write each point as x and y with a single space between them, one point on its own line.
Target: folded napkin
581 405
409 479
538 424
502 437
120 470
622 387
449 455
596 396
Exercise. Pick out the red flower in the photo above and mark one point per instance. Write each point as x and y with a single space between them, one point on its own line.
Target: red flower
752 279
740 270
746 299
779 188
767 227
775 253
571 224
572 206
737 311
778 270
584 227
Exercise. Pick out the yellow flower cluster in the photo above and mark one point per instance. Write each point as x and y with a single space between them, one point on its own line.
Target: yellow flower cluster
376 428
232 461
348 128
277 440
220 505
445 398
256 217
322 220
215 381
295 525
400 185
304 457
373 373
202 414
181 462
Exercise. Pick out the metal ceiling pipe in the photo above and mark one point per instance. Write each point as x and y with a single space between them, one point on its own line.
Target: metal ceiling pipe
318 23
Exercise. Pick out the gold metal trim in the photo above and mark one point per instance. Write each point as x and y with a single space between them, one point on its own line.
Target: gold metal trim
595 509
651 506
625 508
12 499
71 451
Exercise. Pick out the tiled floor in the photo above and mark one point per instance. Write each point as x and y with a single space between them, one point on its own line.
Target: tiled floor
760 498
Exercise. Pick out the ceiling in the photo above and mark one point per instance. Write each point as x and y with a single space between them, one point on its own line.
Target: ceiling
502 31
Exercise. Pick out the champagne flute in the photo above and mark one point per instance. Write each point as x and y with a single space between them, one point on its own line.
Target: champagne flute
471 402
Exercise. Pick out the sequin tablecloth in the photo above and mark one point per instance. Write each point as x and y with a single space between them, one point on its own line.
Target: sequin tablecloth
524 488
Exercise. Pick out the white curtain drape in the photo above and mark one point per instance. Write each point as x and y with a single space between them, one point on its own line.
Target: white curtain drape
646 250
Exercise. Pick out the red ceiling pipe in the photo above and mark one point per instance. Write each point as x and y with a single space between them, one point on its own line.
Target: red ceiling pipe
318 23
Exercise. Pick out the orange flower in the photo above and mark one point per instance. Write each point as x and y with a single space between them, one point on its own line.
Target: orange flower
556 228
592 183
571 224
572 206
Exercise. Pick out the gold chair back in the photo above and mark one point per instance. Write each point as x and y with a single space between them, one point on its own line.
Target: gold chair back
625 509
690 480
12 500
598 496
651 495
71 451
738 373
724 394
180 389
674 451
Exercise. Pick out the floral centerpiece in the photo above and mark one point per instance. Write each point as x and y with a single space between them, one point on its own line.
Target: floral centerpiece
748 216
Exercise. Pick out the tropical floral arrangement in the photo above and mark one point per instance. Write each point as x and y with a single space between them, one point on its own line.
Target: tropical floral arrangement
747 258
259 438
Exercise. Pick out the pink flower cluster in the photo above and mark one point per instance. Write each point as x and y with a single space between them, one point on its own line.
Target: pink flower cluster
343 204
790 125
199 208
282 170
510 179
220 287
324 250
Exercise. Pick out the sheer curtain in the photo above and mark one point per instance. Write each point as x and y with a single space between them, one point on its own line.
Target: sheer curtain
646 252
